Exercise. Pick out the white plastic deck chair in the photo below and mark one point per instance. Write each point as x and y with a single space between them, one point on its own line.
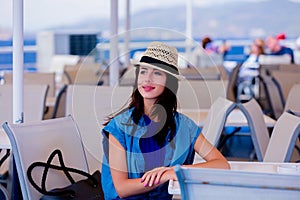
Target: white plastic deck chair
215 121
258 129
283 138
90 105
59 109
211 184
293 99
34 106
274 94
35 141
286 79
200 94
4 194
36 78
274 59
84 73
34 102
216 118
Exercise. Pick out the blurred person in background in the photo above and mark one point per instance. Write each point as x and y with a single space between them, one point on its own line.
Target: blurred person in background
249 69
209 47
250 66
208 53
275 48
298 43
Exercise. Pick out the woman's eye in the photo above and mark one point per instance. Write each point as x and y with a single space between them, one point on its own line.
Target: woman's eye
143 72
158 73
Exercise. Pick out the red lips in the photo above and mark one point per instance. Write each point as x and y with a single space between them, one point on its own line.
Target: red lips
148 88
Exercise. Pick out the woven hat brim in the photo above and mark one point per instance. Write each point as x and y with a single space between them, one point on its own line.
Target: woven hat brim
138 64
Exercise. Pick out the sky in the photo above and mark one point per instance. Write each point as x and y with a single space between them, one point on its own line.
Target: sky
41 14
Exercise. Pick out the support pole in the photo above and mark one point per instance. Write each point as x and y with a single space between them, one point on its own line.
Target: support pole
18 61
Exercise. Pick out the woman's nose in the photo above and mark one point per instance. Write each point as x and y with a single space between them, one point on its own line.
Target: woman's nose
148 77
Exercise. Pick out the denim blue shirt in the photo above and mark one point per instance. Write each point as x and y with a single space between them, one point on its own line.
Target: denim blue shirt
179 150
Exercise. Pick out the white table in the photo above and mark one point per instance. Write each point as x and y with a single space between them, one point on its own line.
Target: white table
265 167
285 169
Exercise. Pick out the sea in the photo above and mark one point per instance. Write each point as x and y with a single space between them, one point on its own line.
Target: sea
237 53
6 55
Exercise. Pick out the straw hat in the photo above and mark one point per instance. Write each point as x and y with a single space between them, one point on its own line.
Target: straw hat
160 56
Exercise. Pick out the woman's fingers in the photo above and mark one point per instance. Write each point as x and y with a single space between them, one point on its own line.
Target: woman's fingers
154 176
151 180
159 175
148 178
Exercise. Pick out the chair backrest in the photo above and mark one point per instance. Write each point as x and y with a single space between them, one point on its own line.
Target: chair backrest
273 94
231 92
264 69
32 142
274 59
215 122
35 78
84 73
290 67
59 109
283 75
197 73
293 100
223 72
202 60
259 132
283 138
216 118
34 102
286 80
200 94
90 105
210 184
297 56
128 77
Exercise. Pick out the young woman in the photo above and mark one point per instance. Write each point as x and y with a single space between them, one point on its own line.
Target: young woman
143 142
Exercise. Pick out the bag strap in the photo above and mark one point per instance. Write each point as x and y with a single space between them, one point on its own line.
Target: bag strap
5 156
62 167
62 164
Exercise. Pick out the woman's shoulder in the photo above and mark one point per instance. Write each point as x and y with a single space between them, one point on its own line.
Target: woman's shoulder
122 116
182 117
119 122
186 125
124 113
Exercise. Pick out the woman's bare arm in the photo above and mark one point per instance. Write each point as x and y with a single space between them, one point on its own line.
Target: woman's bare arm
213 157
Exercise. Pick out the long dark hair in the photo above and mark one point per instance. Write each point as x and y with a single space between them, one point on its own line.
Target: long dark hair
167 100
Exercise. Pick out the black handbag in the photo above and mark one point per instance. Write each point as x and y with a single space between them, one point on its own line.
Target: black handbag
86 189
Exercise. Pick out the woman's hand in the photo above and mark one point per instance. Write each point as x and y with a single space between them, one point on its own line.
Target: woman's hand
158 175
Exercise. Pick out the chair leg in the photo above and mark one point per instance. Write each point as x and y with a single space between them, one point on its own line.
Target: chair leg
16 193
4 171
4 194
6 175
298 149
252 156
5 156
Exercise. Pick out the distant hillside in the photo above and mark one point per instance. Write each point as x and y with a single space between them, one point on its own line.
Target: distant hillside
238 19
